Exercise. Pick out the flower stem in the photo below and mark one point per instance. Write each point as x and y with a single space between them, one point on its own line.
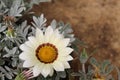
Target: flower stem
83 68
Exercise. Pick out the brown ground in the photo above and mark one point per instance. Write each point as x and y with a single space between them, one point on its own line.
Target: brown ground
96 22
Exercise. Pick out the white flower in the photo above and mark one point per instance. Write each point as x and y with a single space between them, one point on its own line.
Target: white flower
46 52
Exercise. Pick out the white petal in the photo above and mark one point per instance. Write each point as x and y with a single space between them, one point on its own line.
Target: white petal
65 51
58 66
66 64
32 46
33 41
55 36
63 43
55 41
25 55
28 43
29 63
39 35
51 72
48 33
24 47
69 58
46 70
57 33
61 58
37 69
64 61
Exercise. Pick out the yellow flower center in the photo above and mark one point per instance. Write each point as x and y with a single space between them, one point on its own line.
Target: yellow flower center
46 53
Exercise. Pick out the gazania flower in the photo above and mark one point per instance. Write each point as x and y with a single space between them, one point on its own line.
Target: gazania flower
46 51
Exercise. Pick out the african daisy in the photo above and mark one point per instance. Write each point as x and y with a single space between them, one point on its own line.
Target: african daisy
46 51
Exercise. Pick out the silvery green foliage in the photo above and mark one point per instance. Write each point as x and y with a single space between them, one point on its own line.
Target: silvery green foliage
7 3
13 9
64 29
103 68
20 31
2 28
2 4
60 75
7 72
13 53
23 30
67 30
16 8
12 35
83 56
9 50
39 21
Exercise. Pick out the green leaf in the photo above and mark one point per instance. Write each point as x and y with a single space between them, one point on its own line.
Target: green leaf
76 49
61 74
76 74
2 62
93 61
2 28
105 65
17 8
83 56
66 30
54 24
39 22
109 69
79 42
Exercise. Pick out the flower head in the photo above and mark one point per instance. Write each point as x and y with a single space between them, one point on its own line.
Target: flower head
46 51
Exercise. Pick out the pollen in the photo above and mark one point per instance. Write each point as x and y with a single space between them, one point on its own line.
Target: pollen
46 53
